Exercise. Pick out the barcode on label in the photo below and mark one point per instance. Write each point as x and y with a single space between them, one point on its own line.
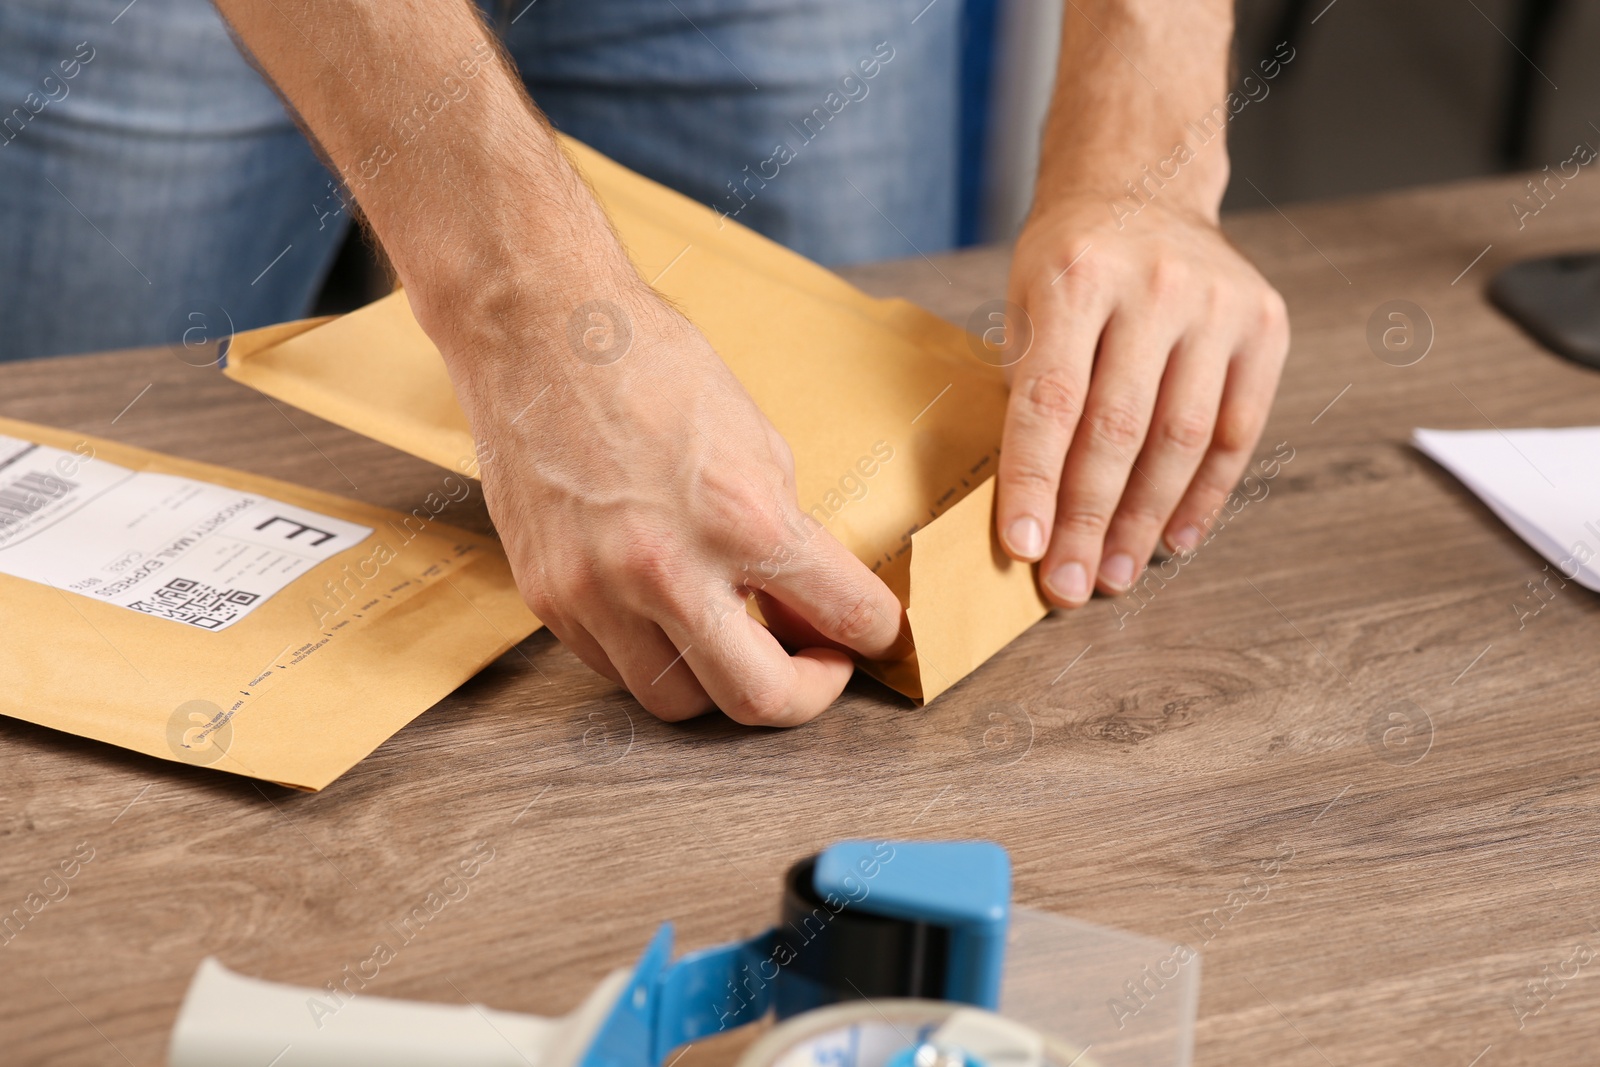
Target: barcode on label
196 603
28 494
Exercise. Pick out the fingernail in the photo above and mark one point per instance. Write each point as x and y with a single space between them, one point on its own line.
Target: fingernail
1184 540
1117 572
1070 582
1025 537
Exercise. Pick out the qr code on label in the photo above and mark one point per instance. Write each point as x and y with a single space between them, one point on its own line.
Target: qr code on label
196 603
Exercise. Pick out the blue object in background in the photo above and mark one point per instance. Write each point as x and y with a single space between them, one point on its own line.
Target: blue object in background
978 43
963 886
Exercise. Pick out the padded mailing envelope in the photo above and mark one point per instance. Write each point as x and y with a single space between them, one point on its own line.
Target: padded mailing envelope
212 617
893 418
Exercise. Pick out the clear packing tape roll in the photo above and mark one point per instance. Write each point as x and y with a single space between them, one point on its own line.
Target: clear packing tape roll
1091 996
1125 1000
878 1033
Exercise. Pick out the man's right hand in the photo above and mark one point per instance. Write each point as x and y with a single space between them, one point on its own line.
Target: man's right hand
640 500
642 497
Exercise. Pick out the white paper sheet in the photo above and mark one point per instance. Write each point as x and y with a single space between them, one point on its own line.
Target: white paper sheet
1544 484
175 548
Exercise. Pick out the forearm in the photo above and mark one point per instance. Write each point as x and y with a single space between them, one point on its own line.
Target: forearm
1136 87
459 177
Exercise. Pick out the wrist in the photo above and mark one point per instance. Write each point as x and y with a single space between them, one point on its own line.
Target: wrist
514 331
1112 134
519 255
1184 178
508 284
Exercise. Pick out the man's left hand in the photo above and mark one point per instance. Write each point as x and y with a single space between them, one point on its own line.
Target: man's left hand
1156 349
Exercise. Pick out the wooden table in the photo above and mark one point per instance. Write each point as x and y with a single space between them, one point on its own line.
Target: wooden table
1145 770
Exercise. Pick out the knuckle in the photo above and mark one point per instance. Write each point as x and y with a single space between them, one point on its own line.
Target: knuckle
1187 431
1141 515
1209 490
648 563
1218 307
1053 396
1085 284
541 603
546 591
576 579
763 706
856 621
1169 278
1027 475
1082 523
672 707
734 505
1274 315
761 528
782 454
743 510
1120 424
1235 434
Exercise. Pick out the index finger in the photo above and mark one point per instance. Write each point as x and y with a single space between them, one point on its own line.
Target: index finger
1046 401
838 595
751 678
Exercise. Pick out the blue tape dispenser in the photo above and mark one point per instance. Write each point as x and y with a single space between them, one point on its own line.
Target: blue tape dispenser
886 954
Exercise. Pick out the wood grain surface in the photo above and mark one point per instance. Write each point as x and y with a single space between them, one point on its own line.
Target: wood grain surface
1137 765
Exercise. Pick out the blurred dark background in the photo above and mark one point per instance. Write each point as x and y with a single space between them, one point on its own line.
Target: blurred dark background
1389 93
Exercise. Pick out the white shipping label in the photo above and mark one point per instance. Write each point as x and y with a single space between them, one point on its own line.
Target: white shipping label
192 552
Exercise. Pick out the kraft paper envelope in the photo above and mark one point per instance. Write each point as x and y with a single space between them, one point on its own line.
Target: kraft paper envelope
893 419
212 617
